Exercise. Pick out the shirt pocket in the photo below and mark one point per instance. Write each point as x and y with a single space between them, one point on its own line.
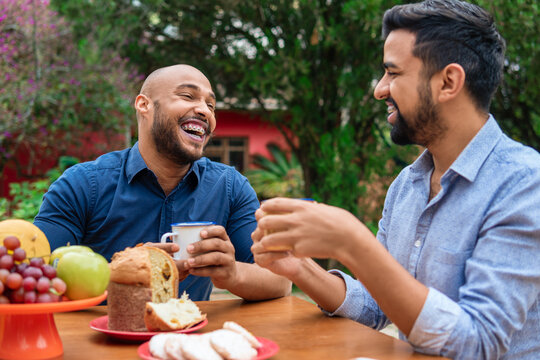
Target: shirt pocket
451 257
444 270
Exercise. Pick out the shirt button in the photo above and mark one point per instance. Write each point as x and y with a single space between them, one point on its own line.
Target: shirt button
417 243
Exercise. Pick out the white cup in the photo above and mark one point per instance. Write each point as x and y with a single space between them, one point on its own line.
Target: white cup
183 234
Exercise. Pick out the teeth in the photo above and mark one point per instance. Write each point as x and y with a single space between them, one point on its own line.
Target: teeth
390 109
195 128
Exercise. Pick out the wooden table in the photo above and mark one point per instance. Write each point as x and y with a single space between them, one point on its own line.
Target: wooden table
300 329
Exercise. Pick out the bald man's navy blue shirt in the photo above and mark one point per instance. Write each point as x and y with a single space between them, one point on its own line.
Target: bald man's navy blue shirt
116 201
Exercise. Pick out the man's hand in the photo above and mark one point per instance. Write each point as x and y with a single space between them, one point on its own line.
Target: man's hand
279 262
310 229
171 248
213 257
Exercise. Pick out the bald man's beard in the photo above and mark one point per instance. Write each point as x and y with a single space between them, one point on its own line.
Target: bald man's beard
165 134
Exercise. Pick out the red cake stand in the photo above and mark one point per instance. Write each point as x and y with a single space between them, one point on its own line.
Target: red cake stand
28 331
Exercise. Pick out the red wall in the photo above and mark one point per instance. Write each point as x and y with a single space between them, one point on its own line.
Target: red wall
93 144
245 124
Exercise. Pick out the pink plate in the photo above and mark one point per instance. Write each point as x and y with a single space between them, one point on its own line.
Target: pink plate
101 324
267 350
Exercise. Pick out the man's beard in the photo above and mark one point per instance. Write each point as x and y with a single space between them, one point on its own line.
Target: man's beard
423 127
165 134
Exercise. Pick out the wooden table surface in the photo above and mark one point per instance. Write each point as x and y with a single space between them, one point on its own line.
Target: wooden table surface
300 329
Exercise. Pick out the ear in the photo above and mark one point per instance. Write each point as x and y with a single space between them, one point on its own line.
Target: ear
143 104
451 81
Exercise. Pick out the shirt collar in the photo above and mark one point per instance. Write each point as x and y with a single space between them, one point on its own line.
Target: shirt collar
470 160
135 164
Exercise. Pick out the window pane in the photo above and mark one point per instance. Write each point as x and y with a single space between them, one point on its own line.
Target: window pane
215 158
236 159
236 142
215 142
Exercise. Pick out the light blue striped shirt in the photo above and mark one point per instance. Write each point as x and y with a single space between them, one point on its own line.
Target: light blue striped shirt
476 245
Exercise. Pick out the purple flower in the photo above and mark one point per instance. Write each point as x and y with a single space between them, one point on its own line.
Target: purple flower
7 134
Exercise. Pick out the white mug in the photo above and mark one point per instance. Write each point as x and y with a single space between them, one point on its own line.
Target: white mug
183 234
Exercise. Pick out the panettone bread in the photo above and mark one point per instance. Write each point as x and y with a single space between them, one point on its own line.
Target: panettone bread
139 275
175 314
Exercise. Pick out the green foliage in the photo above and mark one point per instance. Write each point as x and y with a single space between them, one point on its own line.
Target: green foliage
317 62
50 88
516 103
279 176
27 196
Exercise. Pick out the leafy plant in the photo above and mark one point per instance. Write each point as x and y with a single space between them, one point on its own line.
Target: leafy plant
279 176
27 196
50 85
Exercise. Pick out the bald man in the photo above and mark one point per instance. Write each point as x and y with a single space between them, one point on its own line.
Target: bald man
132 196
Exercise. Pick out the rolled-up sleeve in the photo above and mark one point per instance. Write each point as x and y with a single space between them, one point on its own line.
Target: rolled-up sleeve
358 304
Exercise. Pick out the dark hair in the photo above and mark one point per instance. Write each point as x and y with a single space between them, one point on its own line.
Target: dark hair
452 31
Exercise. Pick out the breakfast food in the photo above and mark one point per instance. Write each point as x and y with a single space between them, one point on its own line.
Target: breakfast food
232 345
32 240
139 275
231 325
159 348
199 348
175 314
221 344
26 280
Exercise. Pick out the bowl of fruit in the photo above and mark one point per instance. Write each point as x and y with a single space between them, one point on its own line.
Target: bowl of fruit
35 284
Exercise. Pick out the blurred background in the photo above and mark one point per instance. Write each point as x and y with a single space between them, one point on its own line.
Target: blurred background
294 81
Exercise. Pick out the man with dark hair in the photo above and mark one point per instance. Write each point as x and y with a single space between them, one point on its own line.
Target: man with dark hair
455 264
132 196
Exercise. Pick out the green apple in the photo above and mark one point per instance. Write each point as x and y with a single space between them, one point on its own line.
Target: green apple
86 274
62 250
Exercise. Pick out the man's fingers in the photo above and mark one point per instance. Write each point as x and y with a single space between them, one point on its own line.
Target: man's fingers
277 241
168 247
210 245
209 271
214 231
210 259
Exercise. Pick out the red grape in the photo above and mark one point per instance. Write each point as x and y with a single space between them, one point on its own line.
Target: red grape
17 296
37 262
1 287
19 254
44 298
30 297
29 283
4 299
11 242
3 275
43 284
34 272
21 267
59 286
6 262
48 271
3 250
55 298
14 281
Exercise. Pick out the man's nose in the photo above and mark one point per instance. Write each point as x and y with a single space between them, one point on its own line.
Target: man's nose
202 109
381 89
